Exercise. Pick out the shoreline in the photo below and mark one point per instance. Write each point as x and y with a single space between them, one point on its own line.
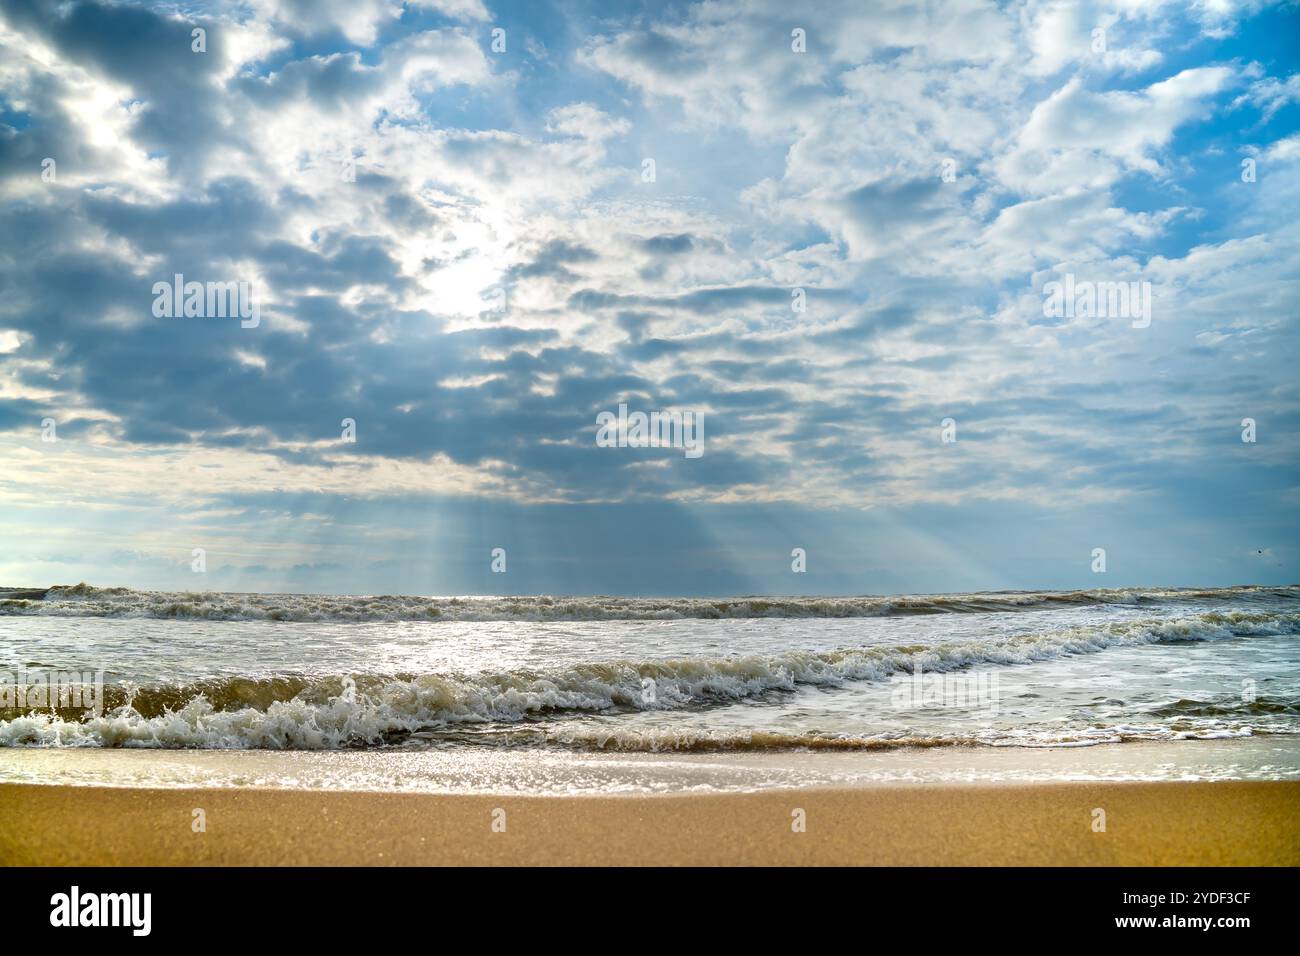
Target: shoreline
555 771
1222 823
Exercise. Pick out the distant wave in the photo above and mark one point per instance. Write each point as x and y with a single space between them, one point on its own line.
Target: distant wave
84 600
368 710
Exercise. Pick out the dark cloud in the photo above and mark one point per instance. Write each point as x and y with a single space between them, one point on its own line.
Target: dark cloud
150 53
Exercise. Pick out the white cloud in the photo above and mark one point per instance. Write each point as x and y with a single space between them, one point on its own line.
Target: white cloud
1270 94
1080 137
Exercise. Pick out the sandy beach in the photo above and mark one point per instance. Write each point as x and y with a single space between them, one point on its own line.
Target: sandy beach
1230 823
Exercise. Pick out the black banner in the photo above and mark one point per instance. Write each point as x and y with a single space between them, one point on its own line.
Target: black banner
972 906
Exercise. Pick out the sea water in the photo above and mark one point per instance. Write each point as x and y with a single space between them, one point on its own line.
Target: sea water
386 674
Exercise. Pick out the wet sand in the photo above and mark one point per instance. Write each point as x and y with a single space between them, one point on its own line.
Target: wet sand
1160 823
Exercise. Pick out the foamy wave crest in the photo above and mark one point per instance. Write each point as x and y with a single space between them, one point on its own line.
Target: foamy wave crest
296 713
661 740
84 600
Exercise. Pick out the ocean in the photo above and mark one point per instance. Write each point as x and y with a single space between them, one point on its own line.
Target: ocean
464 680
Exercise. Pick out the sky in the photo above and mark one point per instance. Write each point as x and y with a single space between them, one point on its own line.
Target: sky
463 229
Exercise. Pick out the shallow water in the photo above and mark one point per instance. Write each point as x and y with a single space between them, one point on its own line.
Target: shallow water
545 772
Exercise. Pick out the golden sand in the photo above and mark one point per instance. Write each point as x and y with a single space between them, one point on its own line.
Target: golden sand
1219 823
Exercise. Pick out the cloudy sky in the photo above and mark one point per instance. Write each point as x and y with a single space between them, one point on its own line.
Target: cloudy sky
472 226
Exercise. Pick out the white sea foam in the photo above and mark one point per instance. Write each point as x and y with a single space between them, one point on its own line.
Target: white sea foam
695 740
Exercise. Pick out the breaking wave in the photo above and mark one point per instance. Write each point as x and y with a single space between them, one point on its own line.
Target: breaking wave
84 600
292 712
